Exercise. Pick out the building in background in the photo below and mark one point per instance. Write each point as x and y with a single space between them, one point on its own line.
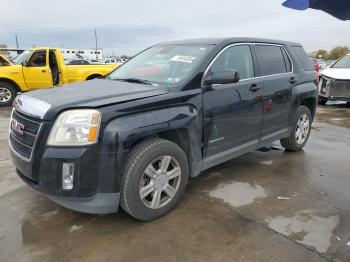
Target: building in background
1 49
89 54
10 52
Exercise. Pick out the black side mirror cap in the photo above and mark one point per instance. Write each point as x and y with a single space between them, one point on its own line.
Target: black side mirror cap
221 77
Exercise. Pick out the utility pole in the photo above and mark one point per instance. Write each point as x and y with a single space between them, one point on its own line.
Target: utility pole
16 41
96 44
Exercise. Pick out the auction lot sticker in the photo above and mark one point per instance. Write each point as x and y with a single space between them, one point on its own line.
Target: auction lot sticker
184 59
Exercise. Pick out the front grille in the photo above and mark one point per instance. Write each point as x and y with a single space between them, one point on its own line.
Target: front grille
25 138
24 131
340 88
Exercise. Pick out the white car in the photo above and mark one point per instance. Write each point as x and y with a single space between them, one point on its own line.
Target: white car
335 82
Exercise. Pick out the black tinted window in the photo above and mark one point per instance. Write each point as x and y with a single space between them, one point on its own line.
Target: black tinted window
237 58
303 58
271 60
38 58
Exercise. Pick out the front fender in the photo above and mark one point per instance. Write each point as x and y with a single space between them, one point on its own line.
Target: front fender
13 74
121 134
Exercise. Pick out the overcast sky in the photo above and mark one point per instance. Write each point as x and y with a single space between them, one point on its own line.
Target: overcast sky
129 26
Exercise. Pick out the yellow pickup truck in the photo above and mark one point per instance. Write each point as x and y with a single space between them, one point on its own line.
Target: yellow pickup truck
43 68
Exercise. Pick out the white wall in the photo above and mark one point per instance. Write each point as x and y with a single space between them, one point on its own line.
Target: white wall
86 53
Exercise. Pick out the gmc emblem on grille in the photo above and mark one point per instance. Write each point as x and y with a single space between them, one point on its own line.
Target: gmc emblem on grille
17 126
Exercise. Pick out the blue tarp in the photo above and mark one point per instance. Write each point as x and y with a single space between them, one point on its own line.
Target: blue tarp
337 8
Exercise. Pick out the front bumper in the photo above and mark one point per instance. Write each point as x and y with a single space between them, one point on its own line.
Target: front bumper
96 174
96 188
334 89
101 203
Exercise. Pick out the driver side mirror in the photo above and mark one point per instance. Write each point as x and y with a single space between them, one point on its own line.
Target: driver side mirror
222 77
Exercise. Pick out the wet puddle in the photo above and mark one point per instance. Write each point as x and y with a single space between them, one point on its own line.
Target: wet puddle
238 193
306 228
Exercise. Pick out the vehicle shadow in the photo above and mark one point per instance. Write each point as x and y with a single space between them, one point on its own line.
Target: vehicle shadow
336 104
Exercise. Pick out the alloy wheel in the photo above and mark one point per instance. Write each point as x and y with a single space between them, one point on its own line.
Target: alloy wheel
5 95
160 182
302 129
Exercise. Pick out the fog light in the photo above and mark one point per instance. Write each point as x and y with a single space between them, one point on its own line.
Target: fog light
67 176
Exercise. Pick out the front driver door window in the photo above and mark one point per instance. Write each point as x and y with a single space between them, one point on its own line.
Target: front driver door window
231 111
37 73
237 58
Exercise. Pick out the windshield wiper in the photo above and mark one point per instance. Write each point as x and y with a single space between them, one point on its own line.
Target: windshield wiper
134 80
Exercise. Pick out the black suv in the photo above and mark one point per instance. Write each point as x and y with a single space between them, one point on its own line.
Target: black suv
134 137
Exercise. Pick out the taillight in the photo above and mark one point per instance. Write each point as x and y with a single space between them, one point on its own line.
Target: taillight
317 67
316 77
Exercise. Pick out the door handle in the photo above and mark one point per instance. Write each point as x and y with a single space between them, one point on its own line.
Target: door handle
293 80
254 87
44 71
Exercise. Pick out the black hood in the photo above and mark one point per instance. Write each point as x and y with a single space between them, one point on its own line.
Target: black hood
93 93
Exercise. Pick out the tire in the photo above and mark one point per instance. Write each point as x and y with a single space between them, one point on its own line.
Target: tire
155 181
92 77
322 100
296 141
7 94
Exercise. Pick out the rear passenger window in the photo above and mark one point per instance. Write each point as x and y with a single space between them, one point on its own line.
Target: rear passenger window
303 58
237 58
271 60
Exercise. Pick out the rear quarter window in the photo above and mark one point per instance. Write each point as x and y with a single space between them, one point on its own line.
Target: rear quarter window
302 58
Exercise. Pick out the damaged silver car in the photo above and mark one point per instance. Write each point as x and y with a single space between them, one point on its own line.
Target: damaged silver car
335 82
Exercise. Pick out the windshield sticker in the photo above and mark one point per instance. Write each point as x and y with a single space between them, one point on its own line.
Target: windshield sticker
184 59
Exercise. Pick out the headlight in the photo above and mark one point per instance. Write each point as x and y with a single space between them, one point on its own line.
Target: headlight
75 127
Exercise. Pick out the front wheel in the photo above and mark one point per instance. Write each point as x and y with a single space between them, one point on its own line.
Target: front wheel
7 94
154 179
300 132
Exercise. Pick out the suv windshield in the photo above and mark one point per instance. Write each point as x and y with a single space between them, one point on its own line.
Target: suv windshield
162 64
343 63
22 57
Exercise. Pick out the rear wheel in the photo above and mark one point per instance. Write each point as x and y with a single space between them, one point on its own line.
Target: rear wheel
154 179
7 94
300 132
